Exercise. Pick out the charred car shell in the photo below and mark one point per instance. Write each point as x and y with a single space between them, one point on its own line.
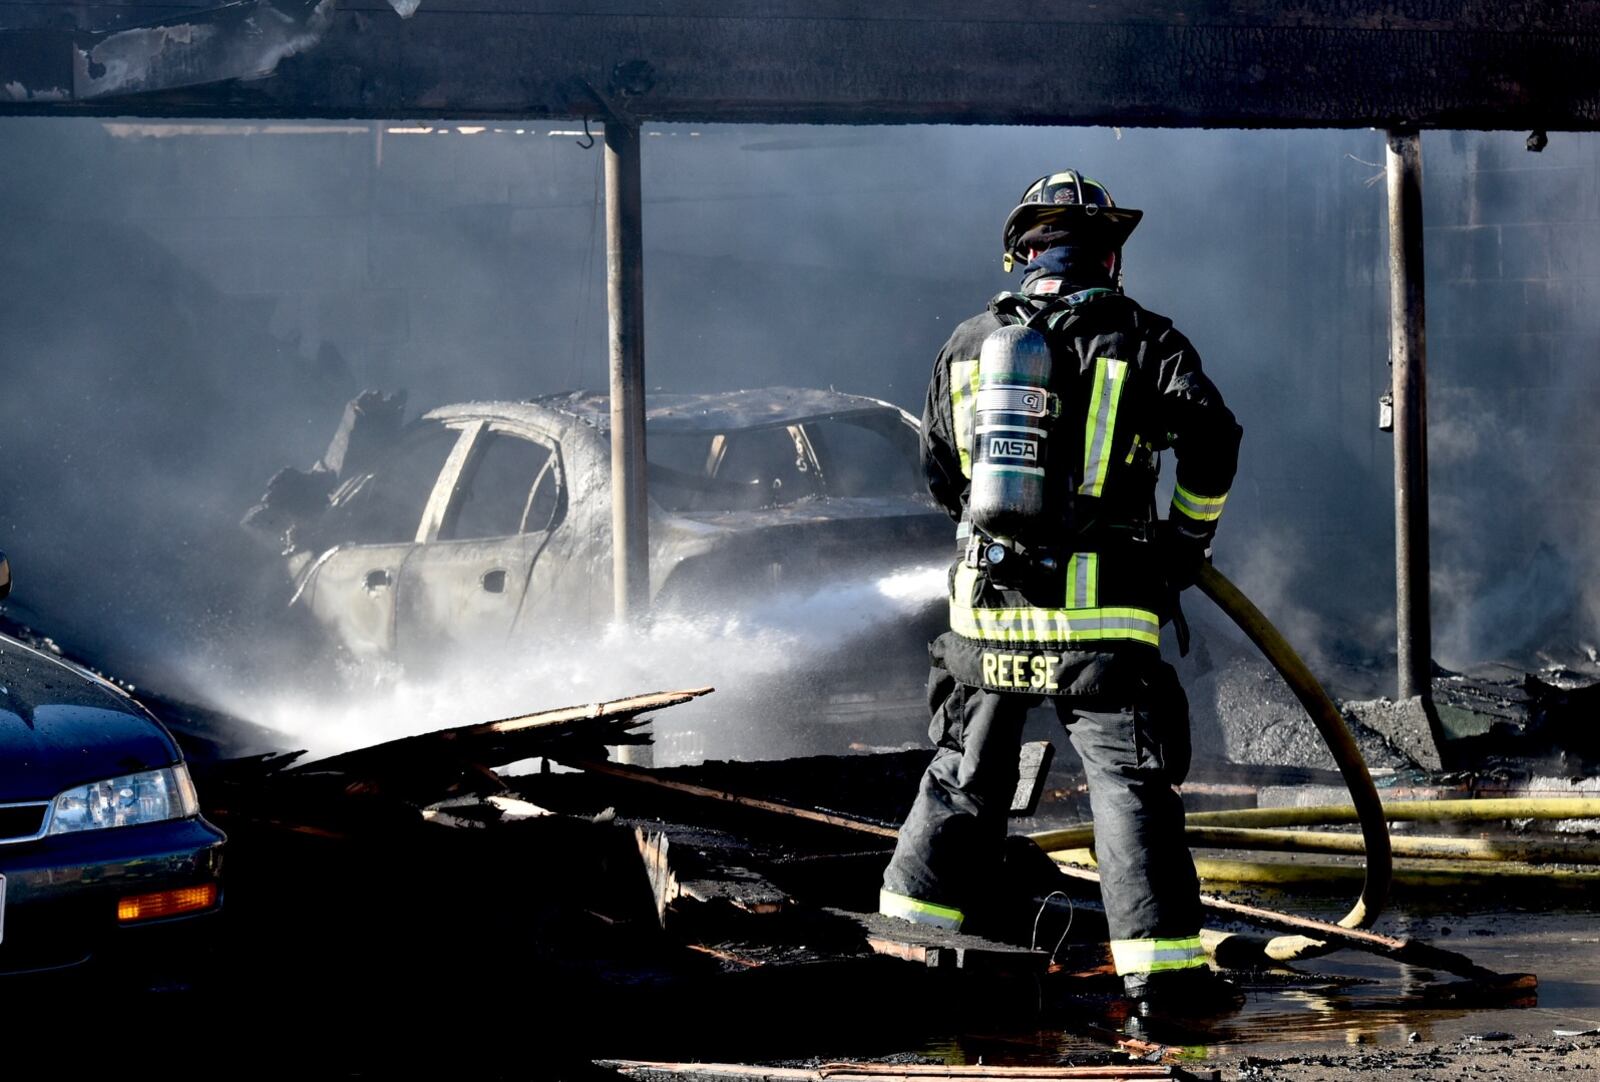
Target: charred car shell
490 521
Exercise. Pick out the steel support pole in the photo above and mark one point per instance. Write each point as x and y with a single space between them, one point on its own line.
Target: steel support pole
1408 356
630 528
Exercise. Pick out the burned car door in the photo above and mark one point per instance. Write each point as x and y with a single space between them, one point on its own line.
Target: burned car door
378 516
465 584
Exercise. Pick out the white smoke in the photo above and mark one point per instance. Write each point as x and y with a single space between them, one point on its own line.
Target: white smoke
743 653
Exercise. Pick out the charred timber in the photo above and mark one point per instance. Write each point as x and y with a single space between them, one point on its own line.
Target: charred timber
1332 63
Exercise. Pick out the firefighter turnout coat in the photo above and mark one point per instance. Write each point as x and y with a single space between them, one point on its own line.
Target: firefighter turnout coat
1128 386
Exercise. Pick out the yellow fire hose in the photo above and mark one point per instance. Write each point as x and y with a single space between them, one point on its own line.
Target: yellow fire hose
1489 809
1430 848
1363 793
1451 874
1241 829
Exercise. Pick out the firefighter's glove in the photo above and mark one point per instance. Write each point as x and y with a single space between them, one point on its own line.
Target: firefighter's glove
1183 553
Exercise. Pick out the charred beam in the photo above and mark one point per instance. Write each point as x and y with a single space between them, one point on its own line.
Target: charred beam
1522 64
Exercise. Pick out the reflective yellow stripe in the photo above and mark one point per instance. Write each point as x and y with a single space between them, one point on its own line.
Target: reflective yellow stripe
1046 625
1083 580
1204 508
1056 625
963 408
898 905
1099 427
1157 955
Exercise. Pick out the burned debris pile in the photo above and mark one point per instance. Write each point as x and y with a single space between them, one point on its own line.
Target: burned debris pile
675 892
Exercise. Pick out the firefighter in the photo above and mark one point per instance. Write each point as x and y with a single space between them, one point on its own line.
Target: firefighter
1042 433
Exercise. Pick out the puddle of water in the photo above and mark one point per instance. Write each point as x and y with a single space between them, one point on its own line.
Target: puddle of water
1377 1003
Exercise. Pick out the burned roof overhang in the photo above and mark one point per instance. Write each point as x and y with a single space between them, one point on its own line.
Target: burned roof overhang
1514 64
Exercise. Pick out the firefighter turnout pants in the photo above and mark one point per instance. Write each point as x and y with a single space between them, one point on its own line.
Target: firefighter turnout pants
1132 733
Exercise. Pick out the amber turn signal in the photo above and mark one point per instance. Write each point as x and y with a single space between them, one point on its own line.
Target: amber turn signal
166 903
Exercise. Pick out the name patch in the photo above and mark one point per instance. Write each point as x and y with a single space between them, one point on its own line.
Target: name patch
1018 672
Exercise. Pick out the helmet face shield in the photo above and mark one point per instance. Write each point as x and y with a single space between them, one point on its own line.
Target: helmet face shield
1070 202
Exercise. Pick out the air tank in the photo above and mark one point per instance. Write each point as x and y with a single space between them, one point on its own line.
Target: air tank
1011 422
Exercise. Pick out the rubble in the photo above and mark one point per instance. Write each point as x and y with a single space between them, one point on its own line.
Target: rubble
670 878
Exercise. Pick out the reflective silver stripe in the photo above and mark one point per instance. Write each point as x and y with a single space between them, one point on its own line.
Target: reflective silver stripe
1040 432
1100 426
1083 586
1204 508
963 387
1013 398
939 916
1157 955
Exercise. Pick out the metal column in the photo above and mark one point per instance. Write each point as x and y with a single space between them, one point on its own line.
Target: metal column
630 528
1408 356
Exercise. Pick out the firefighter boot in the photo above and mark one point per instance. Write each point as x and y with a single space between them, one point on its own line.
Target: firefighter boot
1179 995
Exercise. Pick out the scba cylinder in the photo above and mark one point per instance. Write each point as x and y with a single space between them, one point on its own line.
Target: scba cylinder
1011 424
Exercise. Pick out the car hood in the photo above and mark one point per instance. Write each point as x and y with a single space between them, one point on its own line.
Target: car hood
60 727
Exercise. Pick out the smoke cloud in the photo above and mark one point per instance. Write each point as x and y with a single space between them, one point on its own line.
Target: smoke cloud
188 308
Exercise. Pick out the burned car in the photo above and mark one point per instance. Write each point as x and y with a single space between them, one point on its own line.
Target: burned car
490 523
104 855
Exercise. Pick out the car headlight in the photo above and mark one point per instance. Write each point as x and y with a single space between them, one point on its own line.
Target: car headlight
148 797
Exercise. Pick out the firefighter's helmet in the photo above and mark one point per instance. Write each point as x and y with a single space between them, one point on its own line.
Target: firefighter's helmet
1073 203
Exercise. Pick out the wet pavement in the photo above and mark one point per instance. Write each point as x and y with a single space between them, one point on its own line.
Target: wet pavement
1348 1009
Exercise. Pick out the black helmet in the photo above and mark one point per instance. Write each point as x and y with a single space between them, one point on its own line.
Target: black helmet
1073 203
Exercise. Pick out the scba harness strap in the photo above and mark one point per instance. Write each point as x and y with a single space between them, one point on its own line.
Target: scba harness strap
1041 311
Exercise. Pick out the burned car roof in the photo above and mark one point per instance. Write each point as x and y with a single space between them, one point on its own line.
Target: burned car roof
756 408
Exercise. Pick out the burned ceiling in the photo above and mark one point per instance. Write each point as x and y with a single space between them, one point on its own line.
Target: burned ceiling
1463 64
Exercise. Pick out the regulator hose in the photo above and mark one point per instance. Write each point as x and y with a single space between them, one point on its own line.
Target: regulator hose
1363 793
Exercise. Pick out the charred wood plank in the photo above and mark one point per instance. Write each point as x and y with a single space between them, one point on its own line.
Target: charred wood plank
938 948
646 777
1033 766
686 884
426 765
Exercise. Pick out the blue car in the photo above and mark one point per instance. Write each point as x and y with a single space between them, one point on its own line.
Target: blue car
103 852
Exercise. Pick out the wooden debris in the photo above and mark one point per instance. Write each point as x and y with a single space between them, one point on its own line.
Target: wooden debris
725 956
1033 765
658 870
497 808
684 884
512 809
646 777
440 817
937 948
546 719
421 767
1410 951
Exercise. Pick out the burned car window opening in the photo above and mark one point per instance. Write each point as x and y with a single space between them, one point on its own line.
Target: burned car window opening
497 495
385 506
544 502
867 456
732 471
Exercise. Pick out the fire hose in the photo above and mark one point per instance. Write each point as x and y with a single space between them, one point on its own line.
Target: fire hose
1363 793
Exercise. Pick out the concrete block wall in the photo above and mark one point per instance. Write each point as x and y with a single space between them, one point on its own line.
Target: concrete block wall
1514 374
